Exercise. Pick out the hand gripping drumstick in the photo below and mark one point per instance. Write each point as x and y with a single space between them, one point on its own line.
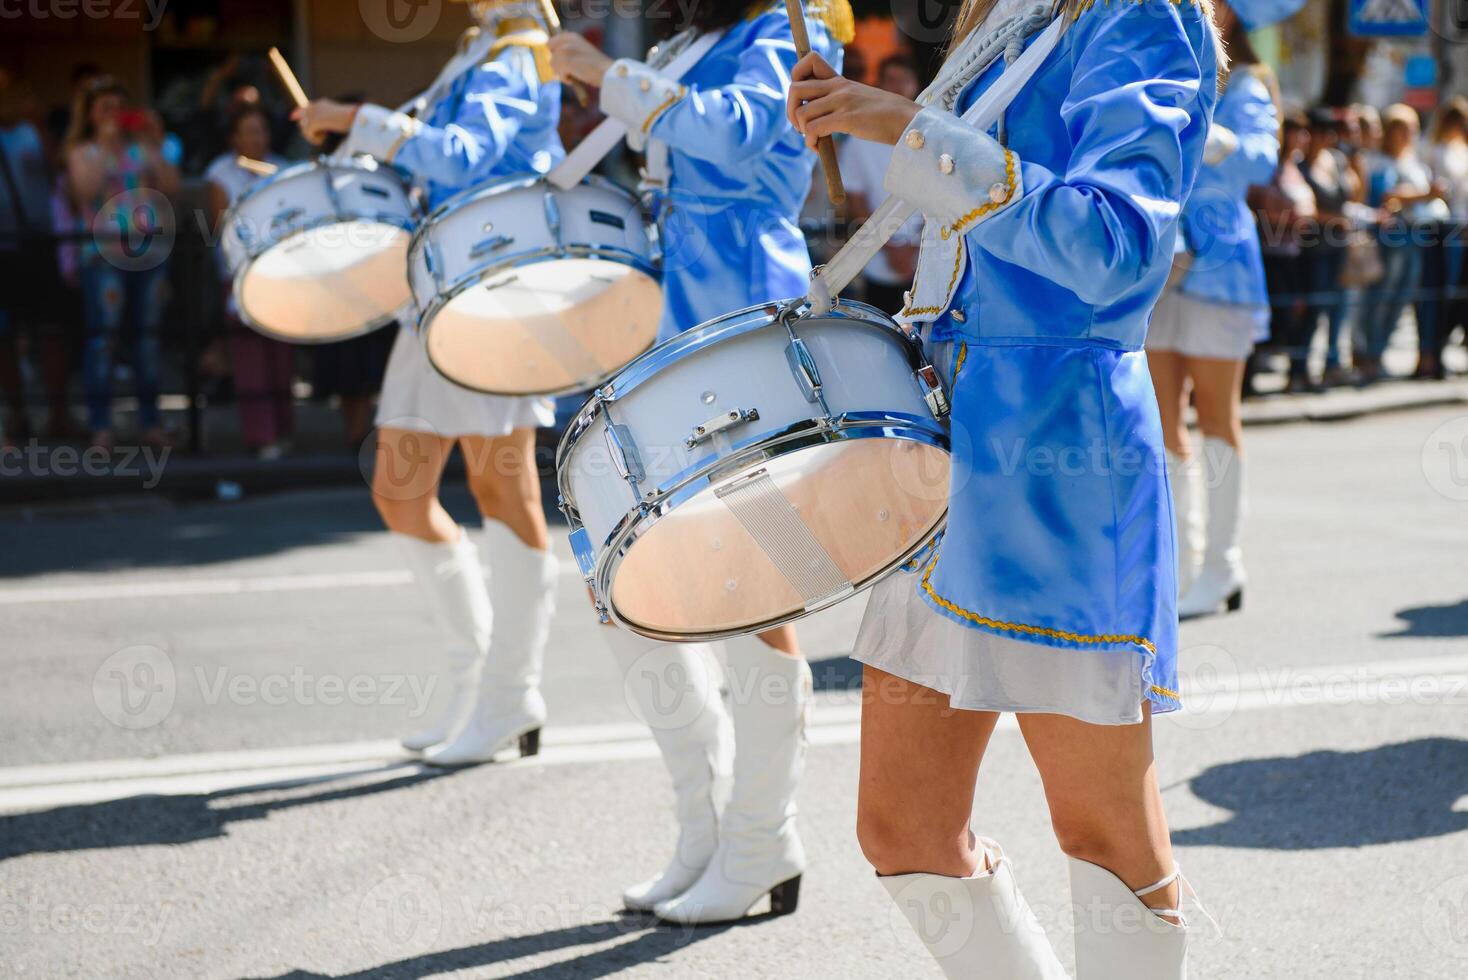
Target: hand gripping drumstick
288 79
835 190
552 28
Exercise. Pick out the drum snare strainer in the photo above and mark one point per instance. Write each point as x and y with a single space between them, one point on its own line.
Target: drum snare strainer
756 469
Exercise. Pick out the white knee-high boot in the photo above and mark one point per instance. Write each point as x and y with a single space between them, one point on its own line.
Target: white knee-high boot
451 582
674 688
759 851
522 582
1184 478
1220 580
980 926
1117 935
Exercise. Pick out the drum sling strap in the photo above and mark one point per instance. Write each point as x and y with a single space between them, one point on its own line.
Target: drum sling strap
827 282
605 137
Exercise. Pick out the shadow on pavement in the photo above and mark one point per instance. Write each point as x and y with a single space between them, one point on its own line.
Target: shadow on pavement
190 537
145 820
652 942
1383 795
1440 621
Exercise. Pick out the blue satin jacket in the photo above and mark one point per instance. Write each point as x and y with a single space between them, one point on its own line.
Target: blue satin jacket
739 173
495 120
1060 525
1219 227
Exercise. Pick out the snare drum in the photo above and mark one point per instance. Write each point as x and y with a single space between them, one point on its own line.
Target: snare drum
319 251
760 467
527 289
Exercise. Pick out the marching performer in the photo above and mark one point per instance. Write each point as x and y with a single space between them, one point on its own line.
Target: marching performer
1207 322
728 176
492 112
1052 592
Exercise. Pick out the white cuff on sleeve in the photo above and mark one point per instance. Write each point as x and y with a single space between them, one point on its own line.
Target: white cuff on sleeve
956 175
378 132
1220 144
636 95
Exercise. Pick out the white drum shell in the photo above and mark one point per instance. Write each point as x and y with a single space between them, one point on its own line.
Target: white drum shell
311 197
490 231
735 364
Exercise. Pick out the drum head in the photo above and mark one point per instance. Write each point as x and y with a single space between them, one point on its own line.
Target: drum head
547 327
329 283
762 546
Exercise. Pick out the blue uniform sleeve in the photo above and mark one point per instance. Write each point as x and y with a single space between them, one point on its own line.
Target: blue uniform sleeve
1135 118
732 123
499 97
1248 109
492 103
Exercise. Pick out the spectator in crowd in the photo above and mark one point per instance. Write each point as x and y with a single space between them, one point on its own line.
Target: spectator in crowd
263 368
1333 183
1411 203
1364 124
28 275
1207 322
1287 221
1441 306
864 165
119 179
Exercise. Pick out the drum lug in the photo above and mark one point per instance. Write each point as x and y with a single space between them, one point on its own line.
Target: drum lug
803 366
719 423
932 388
624 455
553 216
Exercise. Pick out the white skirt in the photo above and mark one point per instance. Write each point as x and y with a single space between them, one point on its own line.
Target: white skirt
1198 328
980 671
417 398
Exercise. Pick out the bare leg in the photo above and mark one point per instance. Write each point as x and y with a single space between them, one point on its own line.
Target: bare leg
1170 379
506 484
405 484
1101 786
1217 384
919 763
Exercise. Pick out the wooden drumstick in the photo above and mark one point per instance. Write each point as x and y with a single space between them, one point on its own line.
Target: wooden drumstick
260 168
288 79
835 190
552 28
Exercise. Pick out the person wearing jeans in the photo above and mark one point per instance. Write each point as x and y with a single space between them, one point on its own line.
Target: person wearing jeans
118 177
1403 188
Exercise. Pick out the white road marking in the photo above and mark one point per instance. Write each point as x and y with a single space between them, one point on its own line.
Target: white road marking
205 586
834 720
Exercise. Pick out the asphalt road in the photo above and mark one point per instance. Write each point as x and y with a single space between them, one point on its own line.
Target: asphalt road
197 776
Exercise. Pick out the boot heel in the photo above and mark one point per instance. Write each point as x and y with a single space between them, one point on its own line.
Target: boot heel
785 896
530 743
1235 601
